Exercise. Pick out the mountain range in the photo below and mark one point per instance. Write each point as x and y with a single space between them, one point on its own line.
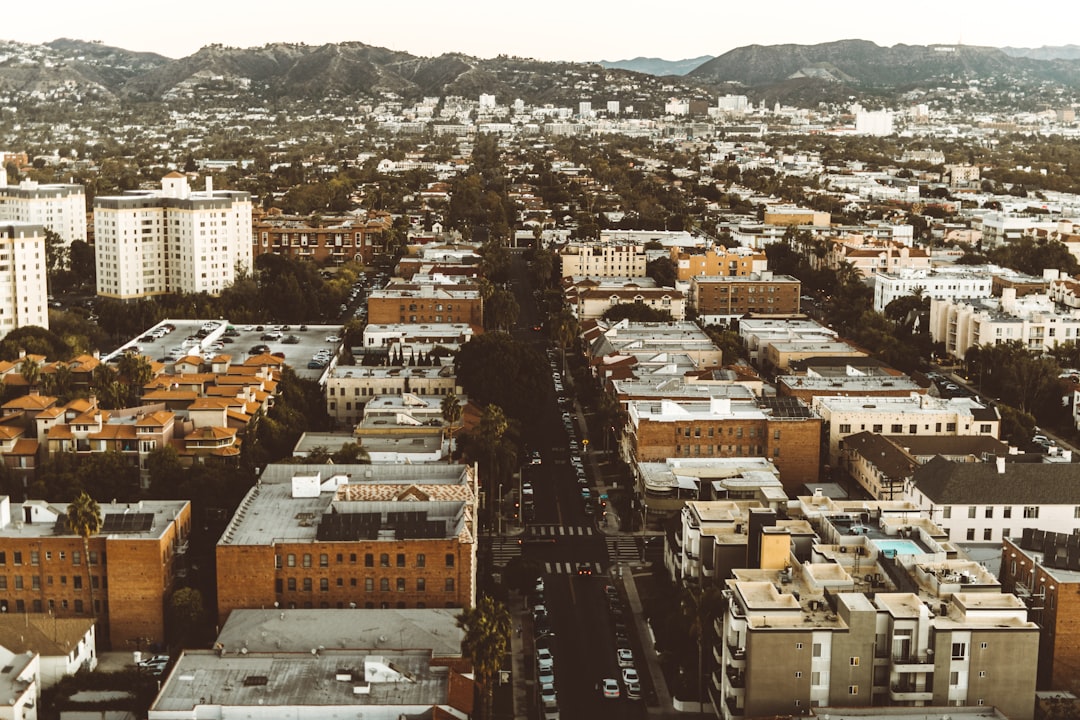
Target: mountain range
298 71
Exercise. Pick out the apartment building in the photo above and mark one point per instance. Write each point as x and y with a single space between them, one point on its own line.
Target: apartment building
590 299
321 238
917 414
759 334
849 379
602 259
722 299
786 432
334 536
788 215
718 262
60 208
941 283
659 340
133 566
172 240
1042 568
1032 320
414 304
350 387
24 292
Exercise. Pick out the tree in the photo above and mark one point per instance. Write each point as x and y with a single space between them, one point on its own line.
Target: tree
31 372
487 636
501 310
84 519
662 270
496 368
700 607
451 413
186 617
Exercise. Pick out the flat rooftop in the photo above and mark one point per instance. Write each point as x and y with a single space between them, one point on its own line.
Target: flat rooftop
326 679
389 630
144 520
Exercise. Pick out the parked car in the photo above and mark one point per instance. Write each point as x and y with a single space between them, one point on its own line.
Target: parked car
548 696
625 658
610 688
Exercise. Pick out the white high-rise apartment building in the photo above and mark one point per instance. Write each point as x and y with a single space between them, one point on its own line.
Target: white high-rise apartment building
57 207
24 292
171 241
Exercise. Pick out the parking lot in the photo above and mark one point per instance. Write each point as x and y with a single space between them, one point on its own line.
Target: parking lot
298 345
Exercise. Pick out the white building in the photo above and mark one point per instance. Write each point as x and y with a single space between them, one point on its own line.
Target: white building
941 283
915 415
60 208
1031 319
21 684
173 240
24 293
64 645
878 123
603 259
735 104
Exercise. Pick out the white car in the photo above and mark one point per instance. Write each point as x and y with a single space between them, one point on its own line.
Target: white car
544 658
626 658
546 675
548 696
333 338
629 675
610 688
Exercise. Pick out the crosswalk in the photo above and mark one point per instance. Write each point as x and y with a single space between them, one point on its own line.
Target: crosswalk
503 550
559 530
571 568
623 548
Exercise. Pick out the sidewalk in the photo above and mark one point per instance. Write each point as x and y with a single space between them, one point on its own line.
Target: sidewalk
519 615
663 707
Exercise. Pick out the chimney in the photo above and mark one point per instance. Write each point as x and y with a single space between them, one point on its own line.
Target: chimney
1000 459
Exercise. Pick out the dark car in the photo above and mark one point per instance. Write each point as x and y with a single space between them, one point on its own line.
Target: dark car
259 350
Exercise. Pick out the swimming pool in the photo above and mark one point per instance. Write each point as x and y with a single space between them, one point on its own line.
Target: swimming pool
898 547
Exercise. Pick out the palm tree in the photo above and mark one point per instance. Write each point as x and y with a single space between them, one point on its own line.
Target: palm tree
451 414
31 372
487 637
84 519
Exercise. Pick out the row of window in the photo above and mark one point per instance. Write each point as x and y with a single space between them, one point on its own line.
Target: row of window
17 582
61 555
695 431
913 428
1031 512
400 560
399 585
39 606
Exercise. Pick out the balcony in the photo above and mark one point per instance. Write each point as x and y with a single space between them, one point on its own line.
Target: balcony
908 693
920 662
737 657
733 708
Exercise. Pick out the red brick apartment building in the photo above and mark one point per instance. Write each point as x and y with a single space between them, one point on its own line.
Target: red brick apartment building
783 430
340 536
414 303
760 293
334 239
133 561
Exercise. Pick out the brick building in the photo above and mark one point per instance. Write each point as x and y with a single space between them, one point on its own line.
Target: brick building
783 430
322 238
369 536
717 261
413 303
1043 569
719 299
133 564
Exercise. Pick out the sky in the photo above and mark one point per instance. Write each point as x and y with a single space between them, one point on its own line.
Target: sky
577 30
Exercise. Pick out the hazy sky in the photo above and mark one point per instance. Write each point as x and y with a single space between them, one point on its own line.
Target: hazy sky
548 30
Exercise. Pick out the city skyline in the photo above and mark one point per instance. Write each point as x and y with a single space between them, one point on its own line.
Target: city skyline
561 30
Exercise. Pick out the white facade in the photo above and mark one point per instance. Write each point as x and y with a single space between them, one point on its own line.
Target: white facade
961 283
1032 320
24 292
603 260
172 240
60 208
921 415
877 123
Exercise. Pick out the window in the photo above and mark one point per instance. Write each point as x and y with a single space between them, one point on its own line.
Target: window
798 646
845 428
324 584
307 559
1031 512
987 533
421 585
401 584
946 512
324 560
307 584
292 584
954 678
35 557
798 673
369 560
384 560
449 587
384 584
401 559
369 584
989 512
290 560
959 651
853 690
1006 511
76 582
450 560
421 560
854 661
971 511
815 678
971 534
816 650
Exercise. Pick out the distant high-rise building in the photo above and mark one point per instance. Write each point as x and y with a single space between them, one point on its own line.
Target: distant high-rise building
172 240
878 123
487 101
585 109
613 107
735 104
60 208
24 292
